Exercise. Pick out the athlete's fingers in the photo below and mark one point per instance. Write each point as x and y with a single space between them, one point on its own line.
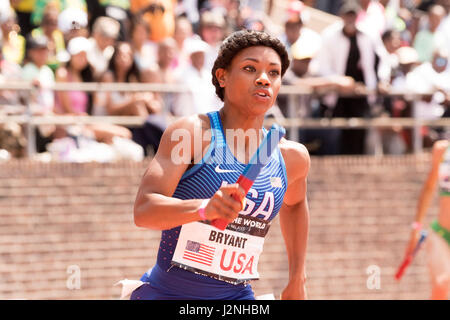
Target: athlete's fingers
235 189
237 193
231 202
232 195
217 209
222 211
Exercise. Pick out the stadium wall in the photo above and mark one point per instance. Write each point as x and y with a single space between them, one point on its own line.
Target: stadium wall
67 231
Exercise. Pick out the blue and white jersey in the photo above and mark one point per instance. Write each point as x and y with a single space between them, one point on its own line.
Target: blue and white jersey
234 248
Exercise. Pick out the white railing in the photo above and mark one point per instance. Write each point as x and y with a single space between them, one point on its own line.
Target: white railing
291 122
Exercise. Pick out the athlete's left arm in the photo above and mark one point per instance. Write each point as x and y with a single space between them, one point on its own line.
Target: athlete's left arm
294 217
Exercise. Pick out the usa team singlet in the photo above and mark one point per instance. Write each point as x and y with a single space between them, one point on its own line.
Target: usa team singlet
199 261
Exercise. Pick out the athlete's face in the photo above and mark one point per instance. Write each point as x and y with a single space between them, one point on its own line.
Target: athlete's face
253 79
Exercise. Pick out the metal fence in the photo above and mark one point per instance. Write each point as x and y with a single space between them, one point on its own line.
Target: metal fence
292 121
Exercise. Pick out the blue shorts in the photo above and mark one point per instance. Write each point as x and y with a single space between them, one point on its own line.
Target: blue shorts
178 285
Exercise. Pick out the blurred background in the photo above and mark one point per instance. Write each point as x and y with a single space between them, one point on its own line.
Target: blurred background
88 87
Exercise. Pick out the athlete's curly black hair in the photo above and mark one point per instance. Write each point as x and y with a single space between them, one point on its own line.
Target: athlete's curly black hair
239 41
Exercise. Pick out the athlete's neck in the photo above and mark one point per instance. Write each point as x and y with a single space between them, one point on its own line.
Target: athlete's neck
234 119
243 134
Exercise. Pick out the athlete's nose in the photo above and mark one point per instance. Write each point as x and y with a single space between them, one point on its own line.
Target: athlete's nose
262 80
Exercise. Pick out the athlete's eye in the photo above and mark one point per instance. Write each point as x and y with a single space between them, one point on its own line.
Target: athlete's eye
274 73
249 68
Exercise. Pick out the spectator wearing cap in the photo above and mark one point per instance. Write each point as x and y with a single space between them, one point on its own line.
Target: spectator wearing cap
408 60
212 31
13 47
74 102
42 100
159 15
37 71
349 51
72 22
303 53
104 34
55 38
197 78
302 73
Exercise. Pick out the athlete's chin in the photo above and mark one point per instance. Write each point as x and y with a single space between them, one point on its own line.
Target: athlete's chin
260 109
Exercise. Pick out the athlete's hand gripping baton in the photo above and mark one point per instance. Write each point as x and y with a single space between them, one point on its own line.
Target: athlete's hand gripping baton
254 167
409 258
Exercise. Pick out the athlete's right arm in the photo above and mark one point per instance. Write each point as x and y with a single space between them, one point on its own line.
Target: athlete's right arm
154 207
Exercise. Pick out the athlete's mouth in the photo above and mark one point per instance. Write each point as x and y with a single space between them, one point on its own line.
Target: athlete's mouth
262 93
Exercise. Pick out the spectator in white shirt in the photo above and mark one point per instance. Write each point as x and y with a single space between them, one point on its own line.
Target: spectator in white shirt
292 28
104 34
42 100
37 71
201 97
434 78
349 51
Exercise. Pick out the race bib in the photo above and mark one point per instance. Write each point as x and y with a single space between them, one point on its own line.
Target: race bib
230 255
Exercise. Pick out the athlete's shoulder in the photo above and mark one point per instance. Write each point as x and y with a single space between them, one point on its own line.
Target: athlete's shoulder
184 130
189 122
441 145
296 157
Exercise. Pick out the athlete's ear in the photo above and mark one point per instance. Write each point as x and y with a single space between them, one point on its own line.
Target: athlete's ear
221 75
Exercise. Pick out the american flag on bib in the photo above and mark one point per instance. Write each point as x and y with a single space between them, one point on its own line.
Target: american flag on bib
199 253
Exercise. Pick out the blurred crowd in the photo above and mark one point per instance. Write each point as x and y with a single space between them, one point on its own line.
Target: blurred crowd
356 66
376 48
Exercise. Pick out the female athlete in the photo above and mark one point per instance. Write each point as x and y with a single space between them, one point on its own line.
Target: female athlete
438 242
199 159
